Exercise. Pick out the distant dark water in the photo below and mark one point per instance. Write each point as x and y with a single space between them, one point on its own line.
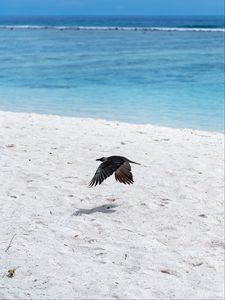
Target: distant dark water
123 21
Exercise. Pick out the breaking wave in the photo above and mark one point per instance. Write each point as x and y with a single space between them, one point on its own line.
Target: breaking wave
112 28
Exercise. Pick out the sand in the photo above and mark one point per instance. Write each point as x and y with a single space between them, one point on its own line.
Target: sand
160 238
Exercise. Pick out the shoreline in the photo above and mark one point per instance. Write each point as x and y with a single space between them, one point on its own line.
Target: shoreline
201 131
162 237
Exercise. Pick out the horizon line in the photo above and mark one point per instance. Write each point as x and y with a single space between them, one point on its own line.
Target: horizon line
114 15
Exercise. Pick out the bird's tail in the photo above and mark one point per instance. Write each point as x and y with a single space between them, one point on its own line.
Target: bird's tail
133 162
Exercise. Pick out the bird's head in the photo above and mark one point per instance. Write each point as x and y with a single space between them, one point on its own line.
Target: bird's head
101 159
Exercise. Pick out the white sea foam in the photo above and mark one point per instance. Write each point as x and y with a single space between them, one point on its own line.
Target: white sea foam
108 28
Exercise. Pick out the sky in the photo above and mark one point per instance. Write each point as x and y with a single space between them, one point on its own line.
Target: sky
111 7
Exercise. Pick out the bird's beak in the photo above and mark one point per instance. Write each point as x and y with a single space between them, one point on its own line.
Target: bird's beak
98 159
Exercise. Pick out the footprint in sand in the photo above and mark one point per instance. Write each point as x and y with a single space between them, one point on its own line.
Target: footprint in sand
164 201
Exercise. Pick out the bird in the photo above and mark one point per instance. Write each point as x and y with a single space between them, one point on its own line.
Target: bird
118 164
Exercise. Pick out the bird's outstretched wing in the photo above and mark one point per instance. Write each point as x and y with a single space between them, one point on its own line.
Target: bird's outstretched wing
123 174
105 170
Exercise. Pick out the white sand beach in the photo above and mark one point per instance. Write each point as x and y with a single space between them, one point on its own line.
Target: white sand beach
160 238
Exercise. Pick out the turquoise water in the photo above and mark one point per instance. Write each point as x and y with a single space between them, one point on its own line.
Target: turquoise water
169 78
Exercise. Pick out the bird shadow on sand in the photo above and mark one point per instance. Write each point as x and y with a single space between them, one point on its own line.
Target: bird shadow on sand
106 209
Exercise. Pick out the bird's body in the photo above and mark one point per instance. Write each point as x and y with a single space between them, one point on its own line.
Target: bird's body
118 164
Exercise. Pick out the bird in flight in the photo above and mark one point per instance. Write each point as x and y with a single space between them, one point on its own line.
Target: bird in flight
118 164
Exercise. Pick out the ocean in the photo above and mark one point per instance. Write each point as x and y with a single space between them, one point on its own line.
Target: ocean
167 71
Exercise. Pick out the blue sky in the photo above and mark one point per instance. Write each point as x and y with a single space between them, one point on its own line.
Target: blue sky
111 7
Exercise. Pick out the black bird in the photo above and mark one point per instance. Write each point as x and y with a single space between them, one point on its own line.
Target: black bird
118 164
